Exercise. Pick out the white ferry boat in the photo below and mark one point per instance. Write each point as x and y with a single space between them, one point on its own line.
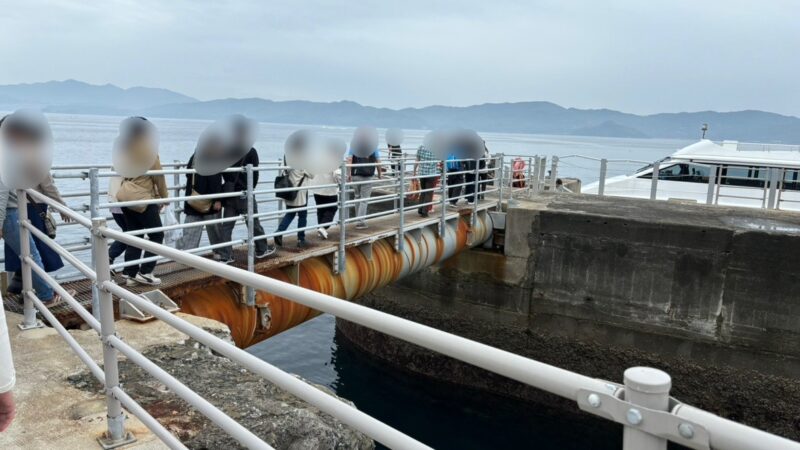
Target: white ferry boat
730 173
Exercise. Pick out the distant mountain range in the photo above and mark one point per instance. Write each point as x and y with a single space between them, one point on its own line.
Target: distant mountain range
76 97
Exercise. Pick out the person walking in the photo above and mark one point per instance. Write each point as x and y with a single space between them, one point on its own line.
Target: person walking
455 179
364 175
326 199
426 167
20 134
201 210
7 377
138 138
237 206
297 178
117 248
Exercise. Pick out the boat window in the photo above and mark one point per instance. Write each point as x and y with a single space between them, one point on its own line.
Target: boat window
791 180
743 176
688 173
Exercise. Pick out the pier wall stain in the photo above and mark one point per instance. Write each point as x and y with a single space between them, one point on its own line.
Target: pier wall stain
596 285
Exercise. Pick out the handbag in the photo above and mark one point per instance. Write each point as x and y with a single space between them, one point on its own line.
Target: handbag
203 206
413 187
49 224
282 181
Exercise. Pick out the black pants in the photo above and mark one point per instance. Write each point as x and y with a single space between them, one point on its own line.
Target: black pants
234 207
426 197
118 248
149 218
453 192
470 187
325 214
483 178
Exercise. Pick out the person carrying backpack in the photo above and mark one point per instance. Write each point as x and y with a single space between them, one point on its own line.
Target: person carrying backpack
364 173
454 179
298 179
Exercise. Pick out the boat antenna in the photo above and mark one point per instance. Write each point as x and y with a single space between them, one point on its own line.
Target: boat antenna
704 128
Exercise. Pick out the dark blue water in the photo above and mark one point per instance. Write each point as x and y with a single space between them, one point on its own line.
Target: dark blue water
441 415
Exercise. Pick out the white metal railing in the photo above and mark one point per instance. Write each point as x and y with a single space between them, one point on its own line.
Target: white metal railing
642 404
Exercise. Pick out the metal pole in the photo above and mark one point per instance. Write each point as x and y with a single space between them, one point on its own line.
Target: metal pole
601 185
340 260
501 168
542 169
29 321
251 249
535 181
176 179
654 180
442 218
401 235
116 433
553 173
712 181
476 197
773 187
94 211
648 388
529 180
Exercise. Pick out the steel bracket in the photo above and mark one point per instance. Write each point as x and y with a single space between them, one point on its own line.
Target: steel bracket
658 423
264 316
366 250
107 443
158 298
37 324
294 273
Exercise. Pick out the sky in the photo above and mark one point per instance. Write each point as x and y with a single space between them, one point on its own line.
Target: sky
639 56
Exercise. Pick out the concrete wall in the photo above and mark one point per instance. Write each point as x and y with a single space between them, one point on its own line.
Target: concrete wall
597 285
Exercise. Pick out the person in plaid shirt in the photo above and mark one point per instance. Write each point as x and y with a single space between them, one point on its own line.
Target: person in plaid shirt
427 167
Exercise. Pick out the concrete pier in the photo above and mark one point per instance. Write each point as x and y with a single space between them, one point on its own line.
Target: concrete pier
599 284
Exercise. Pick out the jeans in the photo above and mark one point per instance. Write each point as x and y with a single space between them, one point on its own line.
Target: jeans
149 218
454 192
426 197
302 221
118 248
362 192
470 187
191 236
234 208
326 213
12 238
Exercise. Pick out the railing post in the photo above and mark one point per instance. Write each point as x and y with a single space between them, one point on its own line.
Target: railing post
535 180
712 182
401 234
29 320
176 179
94 211
773 180
115 435
443 215
542 169
501 166
476 198
601 184
648 388
553 173
654 180
529 179
251 248
340 260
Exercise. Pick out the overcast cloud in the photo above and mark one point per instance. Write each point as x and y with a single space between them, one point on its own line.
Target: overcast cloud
632 55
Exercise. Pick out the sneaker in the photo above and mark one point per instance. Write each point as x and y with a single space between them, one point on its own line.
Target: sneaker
322 232
269 251
279 241
302 244
361 225
147 278
230 260
130 282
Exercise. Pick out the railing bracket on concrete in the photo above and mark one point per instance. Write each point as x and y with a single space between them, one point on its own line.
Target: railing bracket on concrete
108 443
658 423
158 298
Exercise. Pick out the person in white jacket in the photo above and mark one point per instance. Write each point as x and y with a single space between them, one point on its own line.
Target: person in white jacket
7 378
326 199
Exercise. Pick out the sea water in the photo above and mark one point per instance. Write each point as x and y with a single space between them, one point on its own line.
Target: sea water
438 414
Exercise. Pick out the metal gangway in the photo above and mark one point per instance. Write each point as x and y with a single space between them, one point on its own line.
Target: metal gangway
641 403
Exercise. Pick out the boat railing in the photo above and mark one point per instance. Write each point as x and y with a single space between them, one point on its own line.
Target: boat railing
641 404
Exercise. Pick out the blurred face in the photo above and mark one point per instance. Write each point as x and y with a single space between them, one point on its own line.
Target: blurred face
25 150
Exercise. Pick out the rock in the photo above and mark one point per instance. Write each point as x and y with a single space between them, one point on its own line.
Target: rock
281 419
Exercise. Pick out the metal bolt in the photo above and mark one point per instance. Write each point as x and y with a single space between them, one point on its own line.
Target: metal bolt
594 400
686 430
634 416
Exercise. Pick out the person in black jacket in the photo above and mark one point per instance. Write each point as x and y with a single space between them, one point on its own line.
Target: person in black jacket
237 182
201 210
